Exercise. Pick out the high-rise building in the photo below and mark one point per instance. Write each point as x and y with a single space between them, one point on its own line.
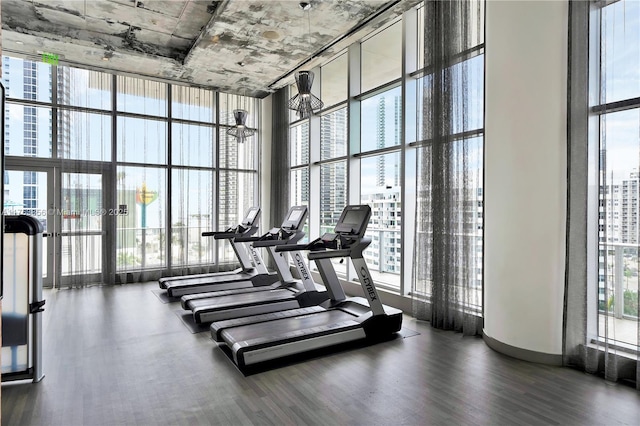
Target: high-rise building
333 176
384 252
27 134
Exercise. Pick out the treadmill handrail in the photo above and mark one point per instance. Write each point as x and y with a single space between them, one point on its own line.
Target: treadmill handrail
270 243
220 235
293 247
315 245
230 233
280 235
328 254
246 239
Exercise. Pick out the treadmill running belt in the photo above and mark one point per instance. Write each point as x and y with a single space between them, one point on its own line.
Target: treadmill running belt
284 328
242 299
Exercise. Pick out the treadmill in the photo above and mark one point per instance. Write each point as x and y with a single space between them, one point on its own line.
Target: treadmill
287 293
253 271
260 338
247 227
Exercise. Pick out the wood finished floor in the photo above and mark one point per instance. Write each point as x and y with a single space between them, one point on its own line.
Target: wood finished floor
118 355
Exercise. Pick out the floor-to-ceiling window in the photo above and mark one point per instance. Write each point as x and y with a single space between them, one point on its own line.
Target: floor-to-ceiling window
139 169
362 147
192 175
614 126
237 164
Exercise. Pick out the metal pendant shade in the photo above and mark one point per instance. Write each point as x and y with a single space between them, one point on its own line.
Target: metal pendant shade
305 103
240 131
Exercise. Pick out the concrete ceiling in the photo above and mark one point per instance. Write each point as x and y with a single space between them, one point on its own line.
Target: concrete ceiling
243 47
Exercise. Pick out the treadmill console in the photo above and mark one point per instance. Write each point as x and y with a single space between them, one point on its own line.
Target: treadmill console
251 217
295 218
292 224
354 220
350 227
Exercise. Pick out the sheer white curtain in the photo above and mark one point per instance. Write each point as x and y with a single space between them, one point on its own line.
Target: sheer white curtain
601 325
83 147
446 287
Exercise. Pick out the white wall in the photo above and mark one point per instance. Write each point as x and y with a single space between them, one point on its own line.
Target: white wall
525 173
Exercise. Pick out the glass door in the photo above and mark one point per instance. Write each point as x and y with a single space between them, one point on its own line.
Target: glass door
82 222
70 205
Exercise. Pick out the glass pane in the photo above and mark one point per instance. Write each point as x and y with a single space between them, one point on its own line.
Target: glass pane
24 79
25 192
81 254
140 239
621 50
84 136
299 140
333 199
81 208
333 134
192 103
420 44
230 102
300 187
81 202
300 193
27 131
84 88
191 215
334 81
471 11
236 195
333 194
380 188
381 120
381 57
469 79
235 155
466 216
142 141
192 145
619 233
141 96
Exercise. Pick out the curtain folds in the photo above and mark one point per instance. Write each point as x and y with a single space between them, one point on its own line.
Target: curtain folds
601 332
280 163
280 159
445 288
83 140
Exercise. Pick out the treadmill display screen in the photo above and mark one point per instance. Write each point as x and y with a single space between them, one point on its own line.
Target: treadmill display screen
357 219
251 216
295 218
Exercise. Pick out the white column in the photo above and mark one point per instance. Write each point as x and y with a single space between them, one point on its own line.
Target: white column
525 177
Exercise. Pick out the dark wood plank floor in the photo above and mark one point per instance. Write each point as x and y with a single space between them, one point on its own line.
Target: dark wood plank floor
118 355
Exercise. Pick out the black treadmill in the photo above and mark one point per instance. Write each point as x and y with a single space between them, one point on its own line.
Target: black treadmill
287 293
252 271
259 338
247 227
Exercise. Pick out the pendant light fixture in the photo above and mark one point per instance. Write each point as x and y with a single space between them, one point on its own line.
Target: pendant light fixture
240 131
305 103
